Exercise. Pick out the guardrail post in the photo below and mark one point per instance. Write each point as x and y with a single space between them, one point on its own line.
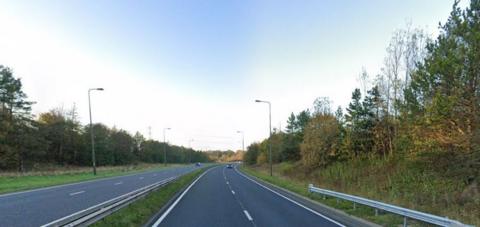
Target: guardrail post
354 205
376 212
310 186
404 221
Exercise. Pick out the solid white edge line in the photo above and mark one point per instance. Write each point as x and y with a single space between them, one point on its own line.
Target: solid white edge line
76 193
164 215
293 201
82 182
248 215
78 212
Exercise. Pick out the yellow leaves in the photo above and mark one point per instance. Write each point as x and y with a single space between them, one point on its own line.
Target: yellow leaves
444 134
51 117
321 141
262 158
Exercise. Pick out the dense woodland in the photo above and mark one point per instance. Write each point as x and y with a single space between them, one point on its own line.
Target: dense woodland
57 137
423 105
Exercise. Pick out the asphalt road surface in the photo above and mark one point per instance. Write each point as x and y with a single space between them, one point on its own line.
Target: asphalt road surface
226 197
41 206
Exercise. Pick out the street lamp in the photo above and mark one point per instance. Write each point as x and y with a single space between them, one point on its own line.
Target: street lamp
190 143
243 140
189 153
91 128
165 147
270 130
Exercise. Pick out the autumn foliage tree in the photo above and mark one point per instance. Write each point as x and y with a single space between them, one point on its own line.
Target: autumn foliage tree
424 102
321 144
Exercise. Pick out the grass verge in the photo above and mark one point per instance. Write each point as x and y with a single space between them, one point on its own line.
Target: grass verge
364 212
139 212
12 182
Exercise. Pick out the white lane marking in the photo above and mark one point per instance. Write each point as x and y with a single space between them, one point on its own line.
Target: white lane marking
118 183
164 215
248 215
242 207
291 200
76 193
141 178
100 204
154 175
71 184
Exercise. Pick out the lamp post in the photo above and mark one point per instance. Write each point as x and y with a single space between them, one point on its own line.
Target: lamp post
91 129
189 153
270 130
243 140
165 147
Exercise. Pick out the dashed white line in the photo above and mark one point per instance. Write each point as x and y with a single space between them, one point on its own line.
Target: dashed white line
248 215
233 192
227 182
291 200
76 193
141 178
118 183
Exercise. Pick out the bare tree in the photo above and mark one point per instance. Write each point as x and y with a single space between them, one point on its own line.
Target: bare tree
416 40
364 80
393 64
322 105
406 48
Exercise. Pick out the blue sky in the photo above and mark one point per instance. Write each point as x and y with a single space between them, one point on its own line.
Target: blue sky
197 66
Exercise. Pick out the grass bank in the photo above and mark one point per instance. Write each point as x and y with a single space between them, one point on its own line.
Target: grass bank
51 176
399 182
139 212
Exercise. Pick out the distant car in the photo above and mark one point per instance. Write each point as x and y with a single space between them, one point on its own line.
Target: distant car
198 164
229 166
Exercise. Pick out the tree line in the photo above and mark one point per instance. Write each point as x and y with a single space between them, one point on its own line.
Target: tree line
424 103
57 137
225 156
